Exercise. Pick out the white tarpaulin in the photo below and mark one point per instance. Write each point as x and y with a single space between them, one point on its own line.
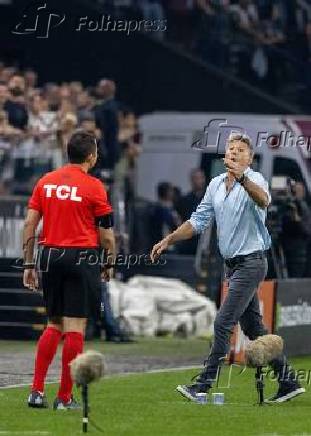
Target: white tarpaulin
153 304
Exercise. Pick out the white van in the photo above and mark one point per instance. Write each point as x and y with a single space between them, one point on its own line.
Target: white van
175 143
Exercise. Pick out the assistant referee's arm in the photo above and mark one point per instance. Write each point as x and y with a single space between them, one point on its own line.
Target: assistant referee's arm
104 221
30 225
107 242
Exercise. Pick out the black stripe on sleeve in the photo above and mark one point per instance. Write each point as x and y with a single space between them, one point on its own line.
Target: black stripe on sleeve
105 221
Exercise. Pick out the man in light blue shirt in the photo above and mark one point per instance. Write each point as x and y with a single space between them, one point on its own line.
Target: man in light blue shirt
238 201
240 220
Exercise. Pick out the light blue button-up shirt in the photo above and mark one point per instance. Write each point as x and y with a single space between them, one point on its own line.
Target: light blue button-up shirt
240 221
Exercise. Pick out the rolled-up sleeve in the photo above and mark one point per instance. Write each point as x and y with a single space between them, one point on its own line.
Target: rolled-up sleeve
202 217
260 181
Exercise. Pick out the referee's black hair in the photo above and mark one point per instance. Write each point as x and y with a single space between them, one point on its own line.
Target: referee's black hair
81 144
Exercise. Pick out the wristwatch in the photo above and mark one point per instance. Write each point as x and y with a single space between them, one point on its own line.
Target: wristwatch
107 266
242 179
29 265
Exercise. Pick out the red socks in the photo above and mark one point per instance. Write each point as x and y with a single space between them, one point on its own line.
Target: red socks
73 345
46 349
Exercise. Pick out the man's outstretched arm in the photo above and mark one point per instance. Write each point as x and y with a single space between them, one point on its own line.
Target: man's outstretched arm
185 231
200 219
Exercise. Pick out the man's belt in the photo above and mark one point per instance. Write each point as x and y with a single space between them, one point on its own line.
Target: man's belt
231 263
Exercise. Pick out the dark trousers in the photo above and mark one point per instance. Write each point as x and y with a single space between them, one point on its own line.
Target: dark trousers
241 305
110 324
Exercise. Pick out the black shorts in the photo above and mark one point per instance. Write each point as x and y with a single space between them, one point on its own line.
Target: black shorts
71 281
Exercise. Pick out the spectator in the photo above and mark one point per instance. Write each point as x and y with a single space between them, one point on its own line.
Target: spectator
4 94
67 126
65 91
65 107
247 36
130 149
106 116
87 122
188 203
7 73
75 88
8 133
273 39
43 124
15 105
296 19
181 19
127 125
84 104
31 79
247 16
214 31
163 218
152 10
52 94
296 231
9 136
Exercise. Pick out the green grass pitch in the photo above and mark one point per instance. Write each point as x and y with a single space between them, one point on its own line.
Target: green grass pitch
147 405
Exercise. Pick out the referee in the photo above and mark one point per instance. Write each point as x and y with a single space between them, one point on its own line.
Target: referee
77 223
238 200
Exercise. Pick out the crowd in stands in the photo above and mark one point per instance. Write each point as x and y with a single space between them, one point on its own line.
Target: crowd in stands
265 42
261 39
36 122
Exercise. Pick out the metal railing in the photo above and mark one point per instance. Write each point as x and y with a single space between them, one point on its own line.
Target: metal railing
12 214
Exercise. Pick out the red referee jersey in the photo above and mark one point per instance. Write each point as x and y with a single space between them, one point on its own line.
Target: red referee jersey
69 200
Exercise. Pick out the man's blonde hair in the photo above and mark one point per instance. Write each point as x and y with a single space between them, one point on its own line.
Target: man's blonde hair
243 137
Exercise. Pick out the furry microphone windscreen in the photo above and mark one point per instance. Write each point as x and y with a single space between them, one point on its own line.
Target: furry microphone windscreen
87 367
264 349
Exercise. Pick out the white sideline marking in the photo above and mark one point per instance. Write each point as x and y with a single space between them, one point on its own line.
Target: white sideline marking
22 385
279 434
179 368
123 374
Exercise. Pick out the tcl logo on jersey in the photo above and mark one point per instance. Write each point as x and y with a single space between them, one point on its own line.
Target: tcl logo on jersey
62 192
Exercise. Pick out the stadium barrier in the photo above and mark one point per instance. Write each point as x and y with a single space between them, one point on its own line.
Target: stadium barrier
12 215
293 315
